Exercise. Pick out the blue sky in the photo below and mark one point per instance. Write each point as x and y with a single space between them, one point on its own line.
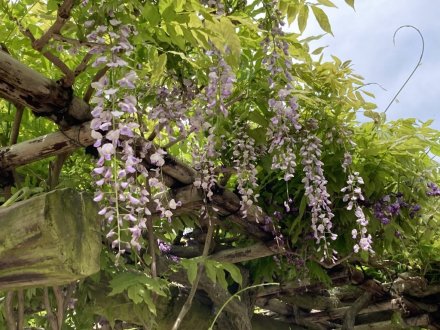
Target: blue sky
365 36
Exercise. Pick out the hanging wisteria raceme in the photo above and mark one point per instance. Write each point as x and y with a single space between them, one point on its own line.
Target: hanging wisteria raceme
285 120
203 160
353 194
119 168
172 107
282 141
244 154
315 185
220 85
284 130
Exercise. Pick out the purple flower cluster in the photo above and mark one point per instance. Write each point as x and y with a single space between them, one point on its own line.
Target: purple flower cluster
388 207
220 85
221 80
172 107
433 189
284 124
203 160
244 153
315 186
269 225
353 194
347 161
165 248
119 167
279 133
274 46
119 37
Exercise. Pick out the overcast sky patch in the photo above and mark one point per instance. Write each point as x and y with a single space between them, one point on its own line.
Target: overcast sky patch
365 36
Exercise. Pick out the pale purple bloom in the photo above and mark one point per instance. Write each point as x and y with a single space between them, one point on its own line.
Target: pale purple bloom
107 150
99 196
128 80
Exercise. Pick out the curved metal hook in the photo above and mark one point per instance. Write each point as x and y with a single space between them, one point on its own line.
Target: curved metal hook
416 67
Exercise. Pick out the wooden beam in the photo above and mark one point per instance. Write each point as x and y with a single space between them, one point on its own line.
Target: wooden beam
252 252
22 85
45 146
50 239
417 321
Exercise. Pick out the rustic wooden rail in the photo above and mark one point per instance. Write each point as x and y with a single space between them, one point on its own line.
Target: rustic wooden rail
50 239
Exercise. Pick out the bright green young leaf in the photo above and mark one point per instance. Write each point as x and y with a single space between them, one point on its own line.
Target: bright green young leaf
135 293
350 3
303 15
151 14
292 12
327 3
122 281
159 68
322 19
318 50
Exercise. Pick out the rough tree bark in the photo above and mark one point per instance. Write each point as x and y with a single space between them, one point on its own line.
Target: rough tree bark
21 85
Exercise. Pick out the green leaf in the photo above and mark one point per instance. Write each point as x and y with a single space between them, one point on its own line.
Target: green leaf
165 4
52 5
191 266
292 12
234 271
256 117
122 281
327 3
350 3
221 279
224 37
134 293
151 14
158 68
318 273
319 50
303 15
211 270
322 19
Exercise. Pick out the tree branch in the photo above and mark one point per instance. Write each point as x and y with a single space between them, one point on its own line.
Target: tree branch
83 65
51 318
45 146
63 16
16 125
350 315
60 305
187 305
24 86
9 311
20 316
55 168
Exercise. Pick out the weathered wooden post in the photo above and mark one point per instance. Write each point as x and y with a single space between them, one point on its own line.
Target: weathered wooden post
51 239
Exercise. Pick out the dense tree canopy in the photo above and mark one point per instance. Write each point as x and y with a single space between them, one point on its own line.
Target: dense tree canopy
224 153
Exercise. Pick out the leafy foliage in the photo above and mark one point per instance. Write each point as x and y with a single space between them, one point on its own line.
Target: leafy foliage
224 87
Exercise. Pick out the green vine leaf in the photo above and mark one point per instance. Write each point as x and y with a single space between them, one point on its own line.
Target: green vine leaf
322 19
303 15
